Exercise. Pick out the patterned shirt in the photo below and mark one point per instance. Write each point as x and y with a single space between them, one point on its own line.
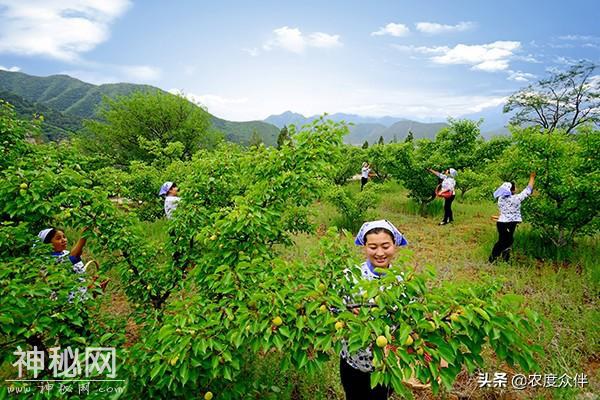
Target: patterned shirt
365 172
510 206
362 360
78 268
171 205
448 183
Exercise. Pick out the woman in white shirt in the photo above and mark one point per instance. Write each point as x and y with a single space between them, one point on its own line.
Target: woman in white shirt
447 186
365 173
509 205
169 190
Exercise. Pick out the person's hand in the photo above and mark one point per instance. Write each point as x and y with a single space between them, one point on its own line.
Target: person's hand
532 175
356 310
495 218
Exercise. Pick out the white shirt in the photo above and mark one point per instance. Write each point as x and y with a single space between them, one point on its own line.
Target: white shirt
510 206
448 183
365 172
171 205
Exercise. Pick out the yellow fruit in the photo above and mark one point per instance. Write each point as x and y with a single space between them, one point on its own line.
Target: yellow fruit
208 396
381 341
22 192
277 321
322 287
24 185
174 360
149 287
339 325
130 271
454 317
409 340
420 351
221 246
213 237
323 308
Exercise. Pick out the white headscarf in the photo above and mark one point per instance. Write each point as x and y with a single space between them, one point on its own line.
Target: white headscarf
503 190
452 172
43 235
399 239
164 189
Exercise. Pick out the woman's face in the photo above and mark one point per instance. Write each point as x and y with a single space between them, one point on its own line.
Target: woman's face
59 241
380 249
173 191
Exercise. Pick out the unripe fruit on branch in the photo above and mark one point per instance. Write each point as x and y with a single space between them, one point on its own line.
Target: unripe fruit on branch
381 341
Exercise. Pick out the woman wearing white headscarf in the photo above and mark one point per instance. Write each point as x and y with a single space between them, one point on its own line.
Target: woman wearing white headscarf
170 190
509 205
380 240
447 186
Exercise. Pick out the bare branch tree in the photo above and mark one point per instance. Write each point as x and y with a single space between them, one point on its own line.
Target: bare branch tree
565 100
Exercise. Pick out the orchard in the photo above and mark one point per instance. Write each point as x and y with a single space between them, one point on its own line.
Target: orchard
200 305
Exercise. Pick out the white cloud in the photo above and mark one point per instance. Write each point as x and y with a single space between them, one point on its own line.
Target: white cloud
433 28
10 69
422 49
486 57
99 74
293 40
323 40
140 73
215 104
392 29
519 76
490 57
529 58
56 29
252 51
585 38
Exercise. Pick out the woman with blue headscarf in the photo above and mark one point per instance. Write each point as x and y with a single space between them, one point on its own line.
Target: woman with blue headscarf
447 192
509 205
380 240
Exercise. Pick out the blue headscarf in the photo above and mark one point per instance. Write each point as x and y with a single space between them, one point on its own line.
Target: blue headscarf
503 190
164 189
399 239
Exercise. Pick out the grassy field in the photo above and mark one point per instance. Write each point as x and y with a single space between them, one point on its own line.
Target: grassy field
563 288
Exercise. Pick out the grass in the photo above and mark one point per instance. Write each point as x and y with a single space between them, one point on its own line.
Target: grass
562 286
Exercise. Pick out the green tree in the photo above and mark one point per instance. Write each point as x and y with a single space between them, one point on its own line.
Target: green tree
349 165
132 127
255 139
410 137
456 144
565 100
381 141
365 145
283 137
564 204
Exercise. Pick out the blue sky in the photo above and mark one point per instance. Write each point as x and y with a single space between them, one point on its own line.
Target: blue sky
246 60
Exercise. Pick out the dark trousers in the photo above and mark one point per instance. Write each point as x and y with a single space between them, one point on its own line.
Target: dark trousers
448 217
363 182
357 384
506 231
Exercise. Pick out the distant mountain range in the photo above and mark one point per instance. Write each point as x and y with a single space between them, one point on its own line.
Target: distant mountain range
366 128
65 102
394 128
